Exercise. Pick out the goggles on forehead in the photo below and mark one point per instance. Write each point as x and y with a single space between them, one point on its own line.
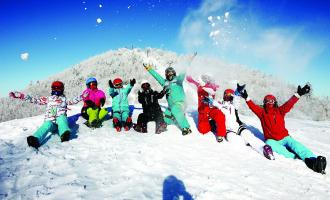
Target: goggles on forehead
269 101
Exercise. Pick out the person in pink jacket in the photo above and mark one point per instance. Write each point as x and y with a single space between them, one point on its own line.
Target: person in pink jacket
207 112
94 100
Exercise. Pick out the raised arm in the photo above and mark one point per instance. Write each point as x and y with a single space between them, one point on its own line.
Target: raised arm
287 106
153 73
112 91
35 100
253 107
191 80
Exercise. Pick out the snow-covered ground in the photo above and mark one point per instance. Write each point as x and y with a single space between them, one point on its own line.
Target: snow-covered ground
104 164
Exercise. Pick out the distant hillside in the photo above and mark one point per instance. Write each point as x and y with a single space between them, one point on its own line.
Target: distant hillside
127 64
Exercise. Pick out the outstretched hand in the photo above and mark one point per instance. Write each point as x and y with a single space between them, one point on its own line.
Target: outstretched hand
239 89
132 82
302 91
111 84
207 100
147 66
16 95
244 94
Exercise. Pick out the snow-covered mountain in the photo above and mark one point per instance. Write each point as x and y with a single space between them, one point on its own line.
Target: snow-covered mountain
104 164
127 64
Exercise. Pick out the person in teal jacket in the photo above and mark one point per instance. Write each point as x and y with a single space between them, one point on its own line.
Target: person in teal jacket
175 97
120 105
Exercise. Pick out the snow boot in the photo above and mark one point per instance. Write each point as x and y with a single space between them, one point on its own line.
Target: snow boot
219 139
317 164
117 124
139 128
186 131
161 128
33 142
96 123
268 152
65 136
128 124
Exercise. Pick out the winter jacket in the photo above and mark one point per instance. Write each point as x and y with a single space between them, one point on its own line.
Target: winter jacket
55 105
149 101
175 93
208 90
230 110
95 97
120 98
272 120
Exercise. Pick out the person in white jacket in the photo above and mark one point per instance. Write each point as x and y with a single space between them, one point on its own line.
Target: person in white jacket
55 117
236 130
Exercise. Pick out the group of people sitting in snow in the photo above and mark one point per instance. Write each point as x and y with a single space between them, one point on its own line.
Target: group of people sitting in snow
224 114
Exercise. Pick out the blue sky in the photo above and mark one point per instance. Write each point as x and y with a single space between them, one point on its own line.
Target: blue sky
285 38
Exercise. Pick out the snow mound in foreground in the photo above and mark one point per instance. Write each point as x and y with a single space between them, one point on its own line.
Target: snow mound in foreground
104 164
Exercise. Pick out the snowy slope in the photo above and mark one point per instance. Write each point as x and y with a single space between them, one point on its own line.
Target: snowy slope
104 164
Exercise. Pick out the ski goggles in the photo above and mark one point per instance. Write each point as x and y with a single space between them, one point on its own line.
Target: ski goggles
117 85
269 101
229 94
57 88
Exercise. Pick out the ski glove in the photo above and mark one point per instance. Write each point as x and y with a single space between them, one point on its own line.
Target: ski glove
147 66
111 84
208 100
90 103
239 89
102 101
16 95
244 94
132 82
305 90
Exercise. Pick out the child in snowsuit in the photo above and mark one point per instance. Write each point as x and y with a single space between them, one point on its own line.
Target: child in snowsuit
207 112
151 109
94 99
55 117
120 105
236 129
272 121
175 97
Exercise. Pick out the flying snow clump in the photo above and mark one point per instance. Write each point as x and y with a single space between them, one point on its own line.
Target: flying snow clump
25 56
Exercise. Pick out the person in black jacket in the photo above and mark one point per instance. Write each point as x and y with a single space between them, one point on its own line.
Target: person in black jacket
151 109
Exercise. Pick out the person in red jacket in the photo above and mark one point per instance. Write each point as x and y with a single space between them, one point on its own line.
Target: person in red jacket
277 136
207 112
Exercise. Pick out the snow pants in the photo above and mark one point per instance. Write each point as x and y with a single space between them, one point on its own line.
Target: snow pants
175 113
144 118
121 117
282 146
96 114
245 137
92 114
215 114
61 126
